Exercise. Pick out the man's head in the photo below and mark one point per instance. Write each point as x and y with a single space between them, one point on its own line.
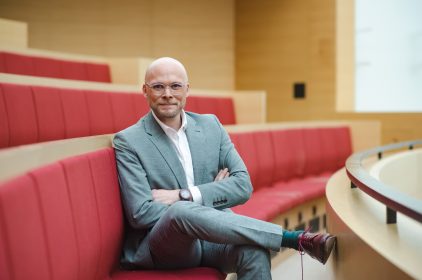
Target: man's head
166 88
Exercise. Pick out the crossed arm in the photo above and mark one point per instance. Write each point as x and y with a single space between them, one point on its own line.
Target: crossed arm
171 196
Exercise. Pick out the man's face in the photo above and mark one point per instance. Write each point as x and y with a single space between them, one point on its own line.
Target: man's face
166 89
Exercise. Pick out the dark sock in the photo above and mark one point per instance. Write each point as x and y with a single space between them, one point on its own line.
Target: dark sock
291 239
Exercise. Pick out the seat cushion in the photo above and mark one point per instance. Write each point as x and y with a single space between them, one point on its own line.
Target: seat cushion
264 205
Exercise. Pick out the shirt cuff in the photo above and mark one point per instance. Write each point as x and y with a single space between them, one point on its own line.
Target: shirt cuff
196 194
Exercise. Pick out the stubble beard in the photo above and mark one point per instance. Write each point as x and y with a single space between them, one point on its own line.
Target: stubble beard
168 114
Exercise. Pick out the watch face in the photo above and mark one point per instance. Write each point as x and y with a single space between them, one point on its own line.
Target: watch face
185 194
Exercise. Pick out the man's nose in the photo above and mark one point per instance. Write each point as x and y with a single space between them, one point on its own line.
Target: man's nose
167 92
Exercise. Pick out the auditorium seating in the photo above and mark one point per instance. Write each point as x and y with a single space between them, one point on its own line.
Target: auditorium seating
33 65
64 219
30 114
289 167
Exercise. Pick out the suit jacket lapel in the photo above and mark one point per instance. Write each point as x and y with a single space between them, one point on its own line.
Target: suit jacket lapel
165 147
197 144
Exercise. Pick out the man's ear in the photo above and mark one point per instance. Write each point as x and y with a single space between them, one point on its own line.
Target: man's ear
187 90
144 90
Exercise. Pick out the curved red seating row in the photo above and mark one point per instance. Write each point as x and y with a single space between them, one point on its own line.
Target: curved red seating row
289 167
30 114
14 63
65 221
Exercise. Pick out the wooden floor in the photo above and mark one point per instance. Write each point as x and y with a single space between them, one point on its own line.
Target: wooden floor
287 266
290 268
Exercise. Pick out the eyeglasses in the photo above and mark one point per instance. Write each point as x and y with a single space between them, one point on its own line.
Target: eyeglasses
158 89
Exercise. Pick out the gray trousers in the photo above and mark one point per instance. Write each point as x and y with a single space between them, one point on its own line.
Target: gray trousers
190 235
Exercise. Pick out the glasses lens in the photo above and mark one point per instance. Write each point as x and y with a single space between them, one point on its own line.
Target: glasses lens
158 87
175 88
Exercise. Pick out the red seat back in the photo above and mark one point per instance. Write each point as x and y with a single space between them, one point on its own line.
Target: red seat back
225 110
289 154
31 114
206 105
265 158
18 64
4 121
222 107
24 253
98 72
76 115
344 145
314 156
21 114
100 112
54 68
47 67
50 113
73 70
123 109
329 147
62 221
141 105
245 146
191 104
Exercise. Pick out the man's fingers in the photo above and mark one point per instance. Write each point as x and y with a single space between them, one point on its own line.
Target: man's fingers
222 174
217 178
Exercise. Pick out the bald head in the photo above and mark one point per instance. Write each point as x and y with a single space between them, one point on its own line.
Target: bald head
166 88
163 65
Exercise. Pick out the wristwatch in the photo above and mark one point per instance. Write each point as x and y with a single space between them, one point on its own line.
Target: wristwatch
185 195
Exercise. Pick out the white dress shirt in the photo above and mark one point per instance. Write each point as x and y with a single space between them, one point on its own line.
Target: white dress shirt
180 141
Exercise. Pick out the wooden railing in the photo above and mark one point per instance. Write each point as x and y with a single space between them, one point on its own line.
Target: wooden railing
394 200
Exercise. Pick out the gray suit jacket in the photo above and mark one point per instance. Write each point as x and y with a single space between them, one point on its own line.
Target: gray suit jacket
146 160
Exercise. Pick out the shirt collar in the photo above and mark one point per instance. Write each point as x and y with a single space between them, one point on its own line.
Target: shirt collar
168 128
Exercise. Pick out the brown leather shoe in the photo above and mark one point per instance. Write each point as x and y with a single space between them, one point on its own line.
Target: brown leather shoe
317 245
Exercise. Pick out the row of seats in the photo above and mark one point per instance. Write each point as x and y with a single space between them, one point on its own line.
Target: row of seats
65 220
14 63
31 114
289 167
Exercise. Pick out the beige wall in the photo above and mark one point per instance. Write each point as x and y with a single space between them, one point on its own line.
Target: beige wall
198 32
13 34
279 42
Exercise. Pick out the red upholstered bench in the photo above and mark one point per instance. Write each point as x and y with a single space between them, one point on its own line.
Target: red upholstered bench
222 107
31 114
65 221
289 167
15 63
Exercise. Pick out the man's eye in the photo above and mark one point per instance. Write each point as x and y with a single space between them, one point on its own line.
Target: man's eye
176 86
157 87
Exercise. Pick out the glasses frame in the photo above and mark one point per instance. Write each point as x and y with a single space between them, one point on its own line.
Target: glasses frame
158 93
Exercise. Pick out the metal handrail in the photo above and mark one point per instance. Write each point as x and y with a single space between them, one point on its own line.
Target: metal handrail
394 200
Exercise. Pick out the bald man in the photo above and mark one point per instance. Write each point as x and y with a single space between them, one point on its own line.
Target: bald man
179 175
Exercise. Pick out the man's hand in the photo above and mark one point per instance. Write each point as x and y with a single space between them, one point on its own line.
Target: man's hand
165 196
222 174
171 196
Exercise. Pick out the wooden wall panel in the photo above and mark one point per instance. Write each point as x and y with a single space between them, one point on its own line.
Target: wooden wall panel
198 32
280 42
13 34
